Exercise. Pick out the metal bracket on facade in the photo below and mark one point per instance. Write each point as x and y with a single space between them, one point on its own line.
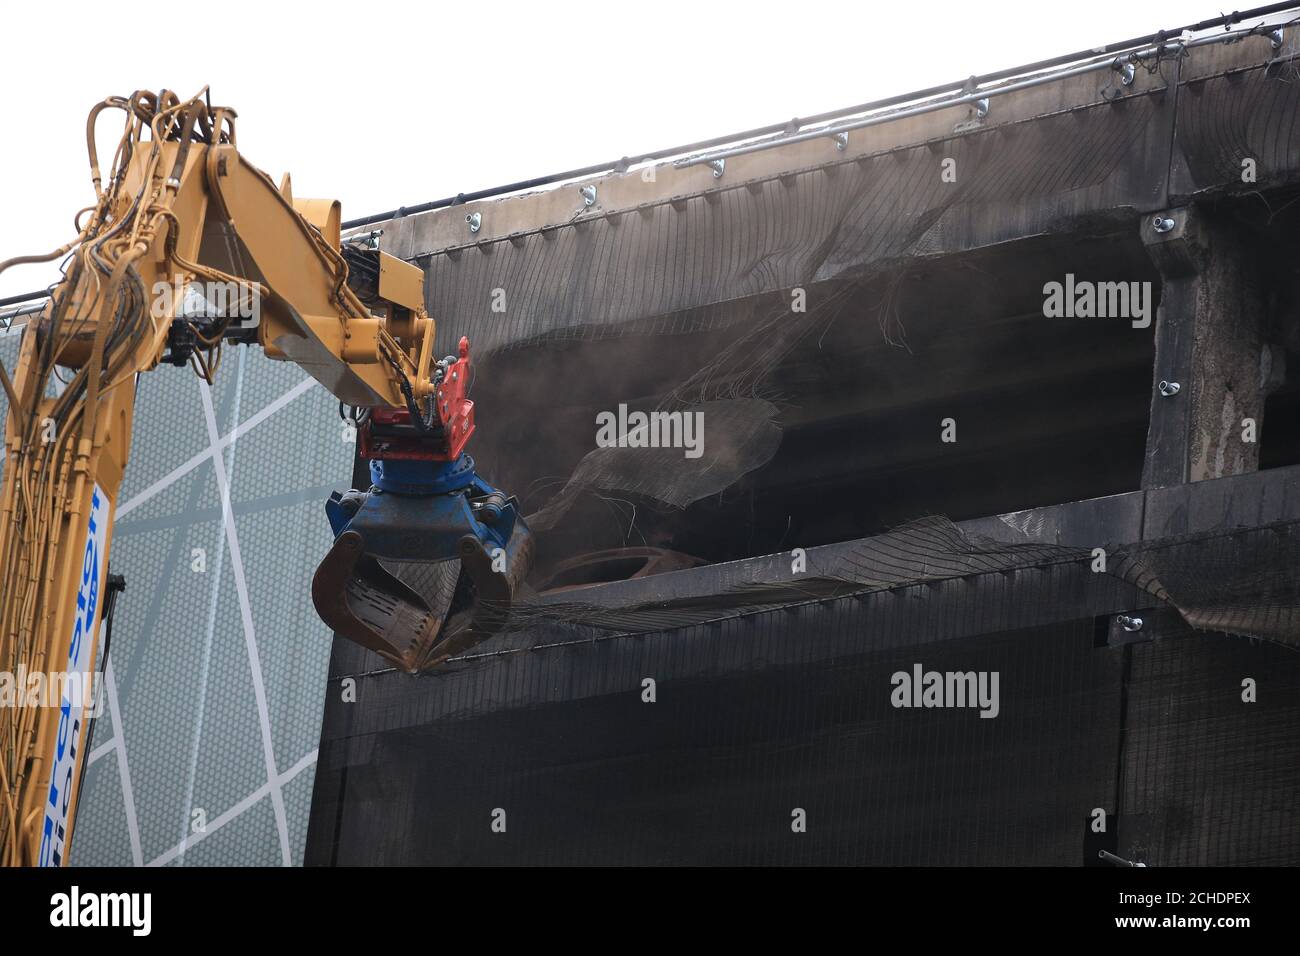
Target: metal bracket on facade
1128 629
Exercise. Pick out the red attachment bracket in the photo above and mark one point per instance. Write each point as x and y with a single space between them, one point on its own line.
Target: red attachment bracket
390 435
455 410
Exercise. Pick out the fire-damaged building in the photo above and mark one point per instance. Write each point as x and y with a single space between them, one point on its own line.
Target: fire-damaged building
913 484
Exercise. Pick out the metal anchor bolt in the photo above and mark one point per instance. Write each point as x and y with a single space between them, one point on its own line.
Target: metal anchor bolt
589 195
1129 623
1162 224
1169 388
475 220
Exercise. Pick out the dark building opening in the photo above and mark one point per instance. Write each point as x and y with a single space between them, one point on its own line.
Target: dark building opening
864 387
1280 436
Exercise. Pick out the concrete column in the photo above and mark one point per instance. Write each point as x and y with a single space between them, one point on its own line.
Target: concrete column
1209 339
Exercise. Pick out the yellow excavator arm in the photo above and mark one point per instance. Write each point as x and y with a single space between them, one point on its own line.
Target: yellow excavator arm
181 217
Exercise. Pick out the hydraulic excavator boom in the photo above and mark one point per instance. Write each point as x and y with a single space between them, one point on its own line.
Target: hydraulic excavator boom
187 249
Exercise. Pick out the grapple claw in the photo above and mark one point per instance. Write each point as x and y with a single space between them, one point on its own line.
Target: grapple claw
418 578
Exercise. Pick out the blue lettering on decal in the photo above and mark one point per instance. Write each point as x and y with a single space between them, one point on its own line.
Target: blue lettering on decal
45 840
65 713
67 792
54 832
94 596
74 650
88 558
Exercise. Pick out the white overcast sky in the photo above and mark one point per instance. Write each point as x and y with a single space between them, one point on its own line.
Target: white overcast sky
381 104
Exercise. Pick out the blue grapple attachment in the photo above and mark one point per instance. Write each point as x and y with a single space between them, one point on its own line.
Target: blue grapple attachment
426 563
